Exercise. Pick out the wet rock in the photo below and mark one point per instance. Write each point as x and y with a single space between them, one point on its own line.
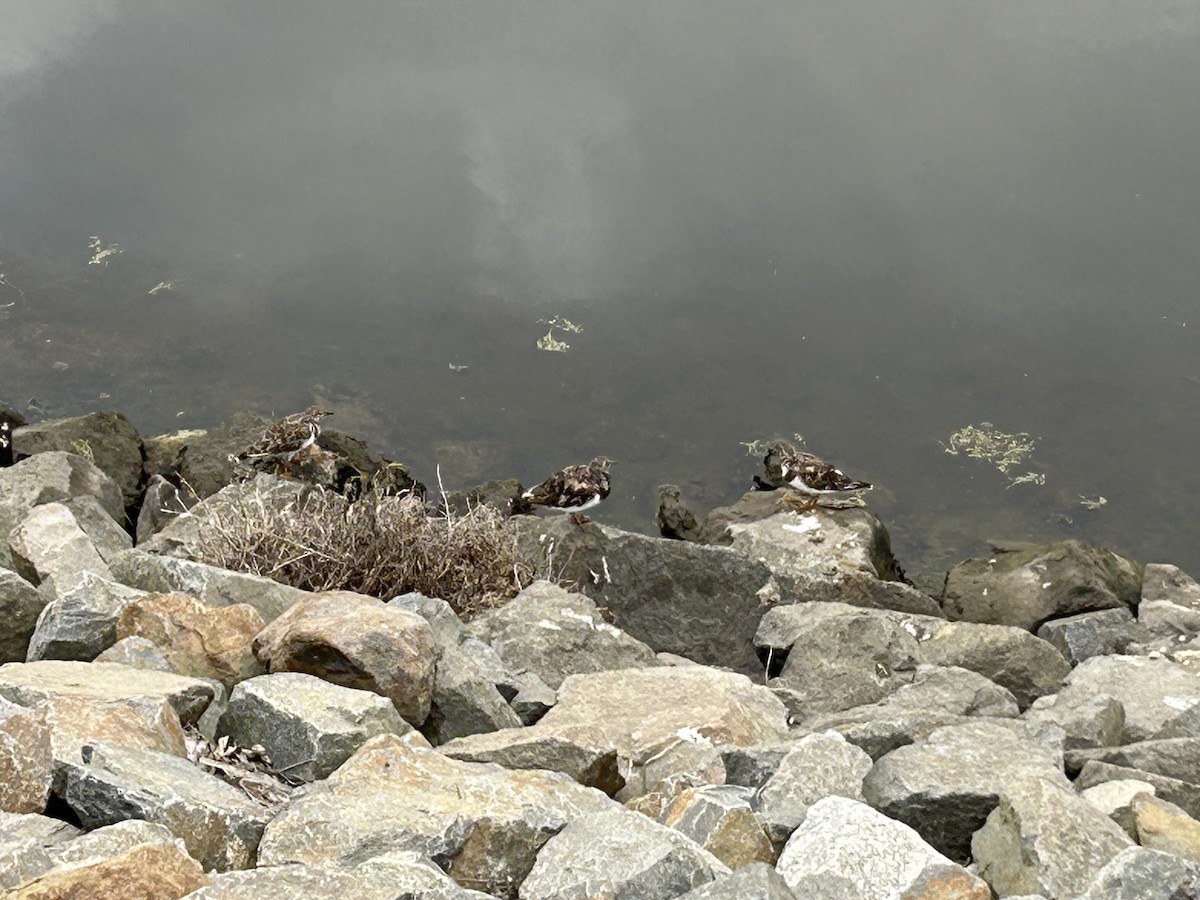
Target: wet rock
1115 800
20 606
26 842
162 452
106 439
465 700
756 881
26 763
555 633
674 517
220 826
81 622
695 601
1182 793
617 853
503 495
377 878
1027 585
358 642
49 478
719 818
818 766
1161 698
937 696
845 850
1161 825
580 753
162 504
308 727
198 640
1162 582
204 460
147 870
1101 633
1011 657
1020 848
1097 721
1140 874
136 652
48 546
947 785
853 588
1172 757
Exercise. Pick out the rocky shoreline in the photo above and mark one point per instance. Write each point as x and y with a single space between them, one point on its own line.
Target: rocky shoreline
759 706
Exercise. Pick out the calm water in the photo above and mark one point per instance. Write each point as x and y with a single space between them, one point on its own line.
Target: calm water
869 223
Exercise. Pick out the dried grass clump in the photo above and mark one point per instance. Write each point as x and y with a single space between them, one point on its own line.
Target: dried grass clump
377 545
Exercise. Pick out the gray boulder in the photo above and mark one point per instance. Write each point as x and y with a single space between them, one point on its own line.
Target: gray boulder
220 826
26 843
720 819
555 633
49 548
1173 757
845 850
203 459
1101 633
582 754
1159 696
81 622
162 504
1097 721
852 587
1115 800
138 652
1184 794
756 881
308 727
1021 846
26 759
465 700
1170 606
1140 874
1011 657
20 606
534 699
947 785
1025 585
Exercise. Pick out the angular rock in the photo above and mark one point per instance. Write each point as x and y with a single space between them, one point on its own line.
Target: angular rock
208 584
149 871
1140 874
48 546
136 652
580 753
162 504
719 818
696 601
1161 698
947 785
1115 800
26 764
106 535
1011 657
163 451
1182 793
81 621
308 727
1101 633
555 633
20 606
845 850
384 877
107 439
1029 584
203 459
819 765
198 640
220 826
358 642
465 701
853 588
49 478
443 621
533 700
1172 757
1021 846
26 843
752 766
1161 825
611 855
1097 721
111 840
1162 582
937 696
669 766
756 881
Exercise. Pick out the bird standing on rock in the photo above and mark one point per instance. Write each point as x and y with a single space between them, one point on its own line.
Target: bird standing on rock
289 437
811 476
574 489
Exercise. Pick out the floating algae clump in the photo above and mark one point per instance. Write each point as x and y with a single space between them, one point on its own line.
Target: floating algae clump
1004 451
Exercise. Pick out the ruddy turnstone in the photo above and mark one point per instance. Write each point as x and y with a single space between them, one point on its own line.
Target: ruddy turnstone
810 475
574 489
289 437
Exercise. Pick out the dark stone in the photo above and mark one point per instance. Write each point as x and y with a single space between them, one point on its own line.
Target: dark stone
675 518
1089 634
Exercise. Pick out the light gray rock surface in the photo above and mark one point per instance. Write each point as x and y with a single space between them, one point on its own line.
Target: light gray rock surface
1182 793
81 622
26 843
50 549
465 700
756 881
1095 721
1161 698
1140 874
1089 634
720 819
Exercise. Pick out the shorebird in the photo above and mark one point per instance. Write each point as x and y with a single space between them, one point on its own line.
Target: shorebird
811 476
574 489
289 437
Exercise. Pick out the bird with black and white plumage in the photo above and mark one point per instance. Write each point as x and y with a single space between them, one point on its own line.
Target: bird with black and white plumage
287 438
809 475
573 489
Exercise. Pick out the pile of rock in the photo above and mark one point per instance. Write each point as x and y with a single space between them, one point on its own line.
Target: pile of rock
761 711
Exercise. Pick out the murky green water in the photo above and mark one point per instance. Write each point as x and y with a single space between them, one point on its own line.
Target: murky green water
870 225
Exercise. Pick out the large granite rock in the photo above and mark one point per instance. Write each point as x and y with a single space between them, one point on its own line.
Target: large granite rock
20 606
1101 633
845 850
203 458
555 633
582 754
48 547
1097 721
106 439
48 478
1021 846
948 784
1140 874
465 699
159 870
1172 757
1161 825
358 642
27 842
720 819
81 622
1161 698
26 763
308 727
1182 793
1026 585
218 823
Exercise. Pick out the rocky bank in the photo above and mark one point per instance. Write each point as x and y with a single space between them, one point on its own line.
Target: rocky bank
764 709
